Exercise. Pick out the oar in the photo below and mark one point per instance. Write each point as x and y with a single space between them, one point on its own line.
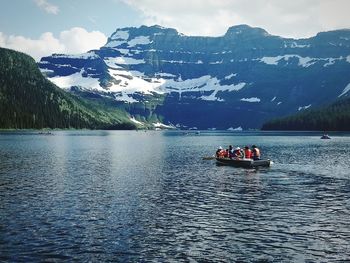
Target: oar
208 158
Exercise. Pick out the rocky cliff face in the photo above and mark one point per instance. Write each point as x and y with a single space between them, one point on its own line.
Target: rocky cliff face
241 79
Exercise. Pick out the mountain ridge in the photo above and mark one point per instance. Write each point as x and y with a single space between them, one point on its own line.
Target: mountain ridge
242 72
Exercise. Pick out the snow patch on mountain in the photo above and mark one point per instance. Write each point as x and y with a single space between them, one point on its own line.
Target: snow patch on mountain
306 61
211 97
120 34
304 107
182 62
123 51
330 62
88 55
296 45
114 43
231 76
201 84
253 99
122 96
136 121
303 61
216 62
163 126
165 75
130 83
46 71
110 61
140 40
126 83
77 79
346 90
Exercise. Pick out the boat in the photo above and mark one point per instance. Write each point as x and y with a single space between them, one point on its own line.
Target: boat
325 136
244 163
45 133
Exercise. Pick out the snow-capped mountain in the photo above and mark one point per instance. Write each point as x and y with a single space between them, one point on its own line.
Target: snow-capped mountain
240 79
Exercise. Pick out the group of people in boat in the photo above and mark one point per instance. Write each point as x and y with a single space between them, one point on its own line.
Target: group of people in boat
238 153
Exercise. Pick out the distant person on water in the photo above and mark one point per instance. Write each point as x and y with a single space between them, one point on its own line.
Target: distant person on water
255 153
247 152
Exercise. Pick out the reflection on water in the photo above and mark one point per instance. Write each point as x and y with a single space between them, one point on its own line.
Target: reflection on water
136 196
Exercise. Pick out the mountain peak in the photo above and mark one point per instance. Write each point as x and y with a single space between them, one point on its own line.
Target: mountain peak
145 30
238 30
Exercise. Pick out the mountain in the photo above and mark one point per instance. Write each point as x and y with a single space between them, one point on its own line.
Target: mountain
29 100
335 117
240 79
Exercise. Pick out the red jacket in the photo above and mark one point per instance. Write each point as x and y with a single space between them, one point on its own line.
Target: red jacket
247 153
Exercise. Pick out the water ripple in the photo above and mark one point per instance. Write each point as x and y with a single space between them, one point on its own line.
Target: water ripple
140 197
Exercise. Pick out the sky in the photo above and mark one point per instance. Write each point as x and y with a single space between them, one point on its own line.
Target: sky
43 27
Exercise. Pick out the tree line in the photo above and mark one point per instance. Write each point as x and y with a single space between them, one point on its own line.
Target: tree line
335 117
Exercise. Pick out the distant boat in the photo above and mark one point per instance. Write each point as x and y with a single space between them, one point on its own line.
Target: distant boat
244 163
45 133
325 136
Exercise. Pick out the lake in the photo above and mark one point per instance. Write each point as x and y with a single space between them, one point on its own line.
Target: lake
128 196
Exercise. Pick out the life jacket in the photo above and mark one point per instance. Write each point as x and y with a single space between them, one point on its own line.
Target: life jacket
237 153
222 154
256 153
247 153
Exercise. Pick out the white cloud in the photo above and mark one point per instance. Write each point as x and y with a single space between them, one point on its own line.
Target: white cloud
75 40
47 7
297 18
78 40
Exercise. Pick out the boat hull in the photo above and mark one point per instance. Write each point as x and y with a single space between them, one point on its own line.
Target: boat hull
244 163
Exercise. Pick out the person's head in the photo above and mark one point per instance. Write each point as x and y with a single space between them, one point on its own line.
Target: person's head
237 149
220 148
246 147
230 147
253 146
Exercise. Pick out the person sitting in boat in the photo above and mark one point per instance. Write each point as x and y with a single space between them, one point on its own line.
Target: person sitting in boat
220 152
230 151
247 152
237 153
255 153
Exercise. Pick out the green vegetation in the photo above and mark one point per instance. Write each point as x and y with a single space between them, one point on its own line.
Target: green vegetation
28 100
335 117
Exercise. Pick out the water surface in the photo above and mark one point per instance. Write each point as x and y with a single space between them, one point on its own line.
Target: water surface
127 196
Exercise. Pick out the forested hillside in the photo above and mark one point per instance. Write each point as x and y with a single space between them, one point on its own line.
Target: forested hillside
28 100
335 117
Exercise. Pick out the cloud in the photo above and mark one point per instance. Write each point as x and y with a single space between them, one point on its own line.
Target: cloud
297 18
78 40
72 41
47 7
